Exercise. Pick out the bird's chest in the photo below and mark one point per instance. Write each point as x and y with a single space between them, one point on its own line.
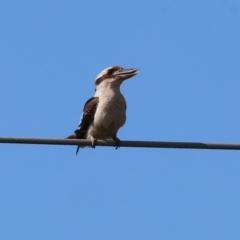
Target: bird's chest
111 112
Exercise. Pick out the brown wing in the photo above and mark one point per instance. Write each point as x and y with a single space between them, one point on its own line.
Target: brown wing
87 117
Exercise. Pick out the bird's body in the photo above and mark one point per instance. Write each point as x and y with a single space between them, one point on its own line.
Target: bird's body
110 115
105 113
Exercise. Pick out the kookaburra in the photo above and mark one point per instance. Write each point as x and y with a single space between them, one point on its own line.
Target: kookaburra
105 113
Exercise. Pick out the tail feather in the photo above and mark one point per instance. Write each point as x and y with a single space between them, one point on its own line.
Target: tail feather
77 150
74 136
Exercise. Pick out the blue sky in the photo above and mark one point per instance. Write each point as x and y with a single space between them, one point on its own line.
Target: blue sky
188 53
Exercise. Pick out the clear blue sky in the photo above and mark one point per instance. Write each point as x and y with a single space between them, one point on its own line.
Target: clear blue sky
188 53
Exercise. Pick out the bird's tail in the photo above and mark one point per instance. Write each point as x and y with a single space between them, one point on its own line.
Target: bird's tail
73 136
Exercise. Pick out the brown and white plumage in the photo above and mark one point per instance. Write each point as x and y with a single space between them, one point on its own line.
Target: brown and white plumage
105 113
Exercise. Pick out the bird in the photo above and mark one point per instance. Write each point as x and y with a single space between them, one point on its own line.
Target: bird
105 113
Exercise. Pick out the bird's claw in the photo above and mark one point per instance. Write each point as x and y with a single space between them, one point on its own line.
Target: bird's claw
117 143
93 140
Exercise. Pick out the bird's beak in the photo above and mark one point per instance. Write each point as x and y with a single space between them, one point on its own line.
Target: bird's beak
126 73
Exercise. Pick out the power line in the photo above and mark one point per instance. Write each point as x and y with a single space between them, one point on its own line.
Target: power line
142 144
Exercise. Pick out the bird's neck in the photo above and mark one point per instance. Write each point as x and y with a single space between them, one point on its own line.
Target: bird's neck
107 90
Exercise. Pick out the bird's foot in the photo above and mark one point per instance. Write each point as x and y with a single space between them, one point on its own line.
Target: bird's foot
93 140
117 142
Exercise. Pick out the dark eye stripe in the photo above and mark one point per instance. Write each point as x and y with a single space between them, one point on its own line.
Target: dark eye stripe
107 75
101 79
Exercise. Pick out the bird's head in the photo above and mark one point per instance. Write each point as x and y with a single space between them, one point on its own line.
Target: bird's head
114 76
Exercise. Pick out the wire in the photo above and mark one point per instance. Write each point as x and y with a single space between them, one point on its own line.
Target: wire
141 144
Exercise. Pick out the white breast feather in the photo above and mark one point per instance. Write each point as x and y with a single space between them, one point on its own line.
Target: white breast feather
109 117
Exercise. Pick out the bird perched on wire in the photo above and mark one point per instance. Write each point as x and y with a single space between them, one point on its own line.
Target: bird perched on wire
105 112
